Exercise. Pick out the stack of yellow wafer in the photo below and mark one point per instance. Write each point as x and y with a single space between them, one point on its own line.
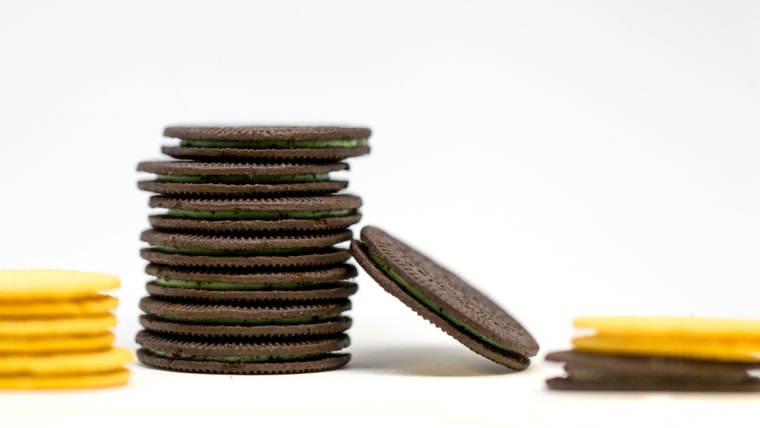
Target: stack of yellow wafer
720 339
55 330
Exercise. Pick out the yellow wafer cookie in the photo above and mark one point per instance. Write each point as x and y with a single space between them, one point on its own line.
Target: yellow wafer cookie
69 381
100 304
57 326
737 350
673 326
69 363
53 284
50 344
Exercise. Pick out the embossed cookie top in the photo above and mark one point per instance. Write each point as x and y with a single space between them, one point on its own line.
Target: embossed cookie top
266 133
449 292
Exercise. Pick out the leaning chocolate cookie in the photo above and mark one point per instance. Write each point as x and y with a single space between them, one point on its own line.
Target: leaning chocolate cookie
444 299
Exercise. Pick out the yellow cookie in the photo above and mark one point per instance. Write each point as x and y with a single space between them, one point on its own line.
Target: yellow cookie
99 304
70 381
68 363
673 326
57 326
48 344
737 350
53 284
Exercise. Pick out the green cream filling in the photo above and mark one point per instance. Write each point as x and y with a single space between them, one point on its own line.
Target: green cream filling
432 306
232 253
257 215
243 179
261 321
257 359
328 144
215 285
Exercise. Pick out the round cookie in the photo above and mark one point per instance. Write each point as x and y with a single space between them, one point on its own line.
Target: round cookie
49 284
444 299
51 326
240 313
116 377
90 305
233 356
287 134
267 142
608 372
236 251
57 343
167 222
219 279
304 293
318 363
320 257
318 328
106 360
240 179
305 213
253 245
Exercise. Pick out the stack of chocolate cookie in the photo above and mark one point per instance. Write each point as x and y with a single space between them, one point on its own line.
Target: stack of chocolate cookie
249 251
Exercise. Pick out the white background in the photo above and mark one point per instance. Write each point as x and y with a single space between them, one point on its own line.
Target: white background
567 158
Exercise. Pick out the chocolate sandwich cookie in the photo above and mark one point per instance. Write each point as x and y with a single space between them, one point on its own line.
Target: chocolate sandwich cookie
267 143
587 371
243 313
306 213
318 257
234 356
444 299
247 279
302 293
261 250
328 326
247 319
239 179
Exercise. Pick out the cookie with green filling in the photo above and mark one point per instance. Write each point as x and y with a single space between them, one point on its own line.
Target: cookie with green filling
248 279
175 257
444 299
192 290
245 251
240 179
589 371
249 143
302 213
238 356
244 313
327 326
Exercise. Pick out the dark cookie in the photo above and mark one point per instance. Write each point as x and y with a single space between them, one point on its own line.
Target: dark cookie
244 279
166 222
254 245
236 356
267 143
320 257
266 133
317 363
304 293
305 213
240 179
607 372
318 328
444 299
243 313
259 208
